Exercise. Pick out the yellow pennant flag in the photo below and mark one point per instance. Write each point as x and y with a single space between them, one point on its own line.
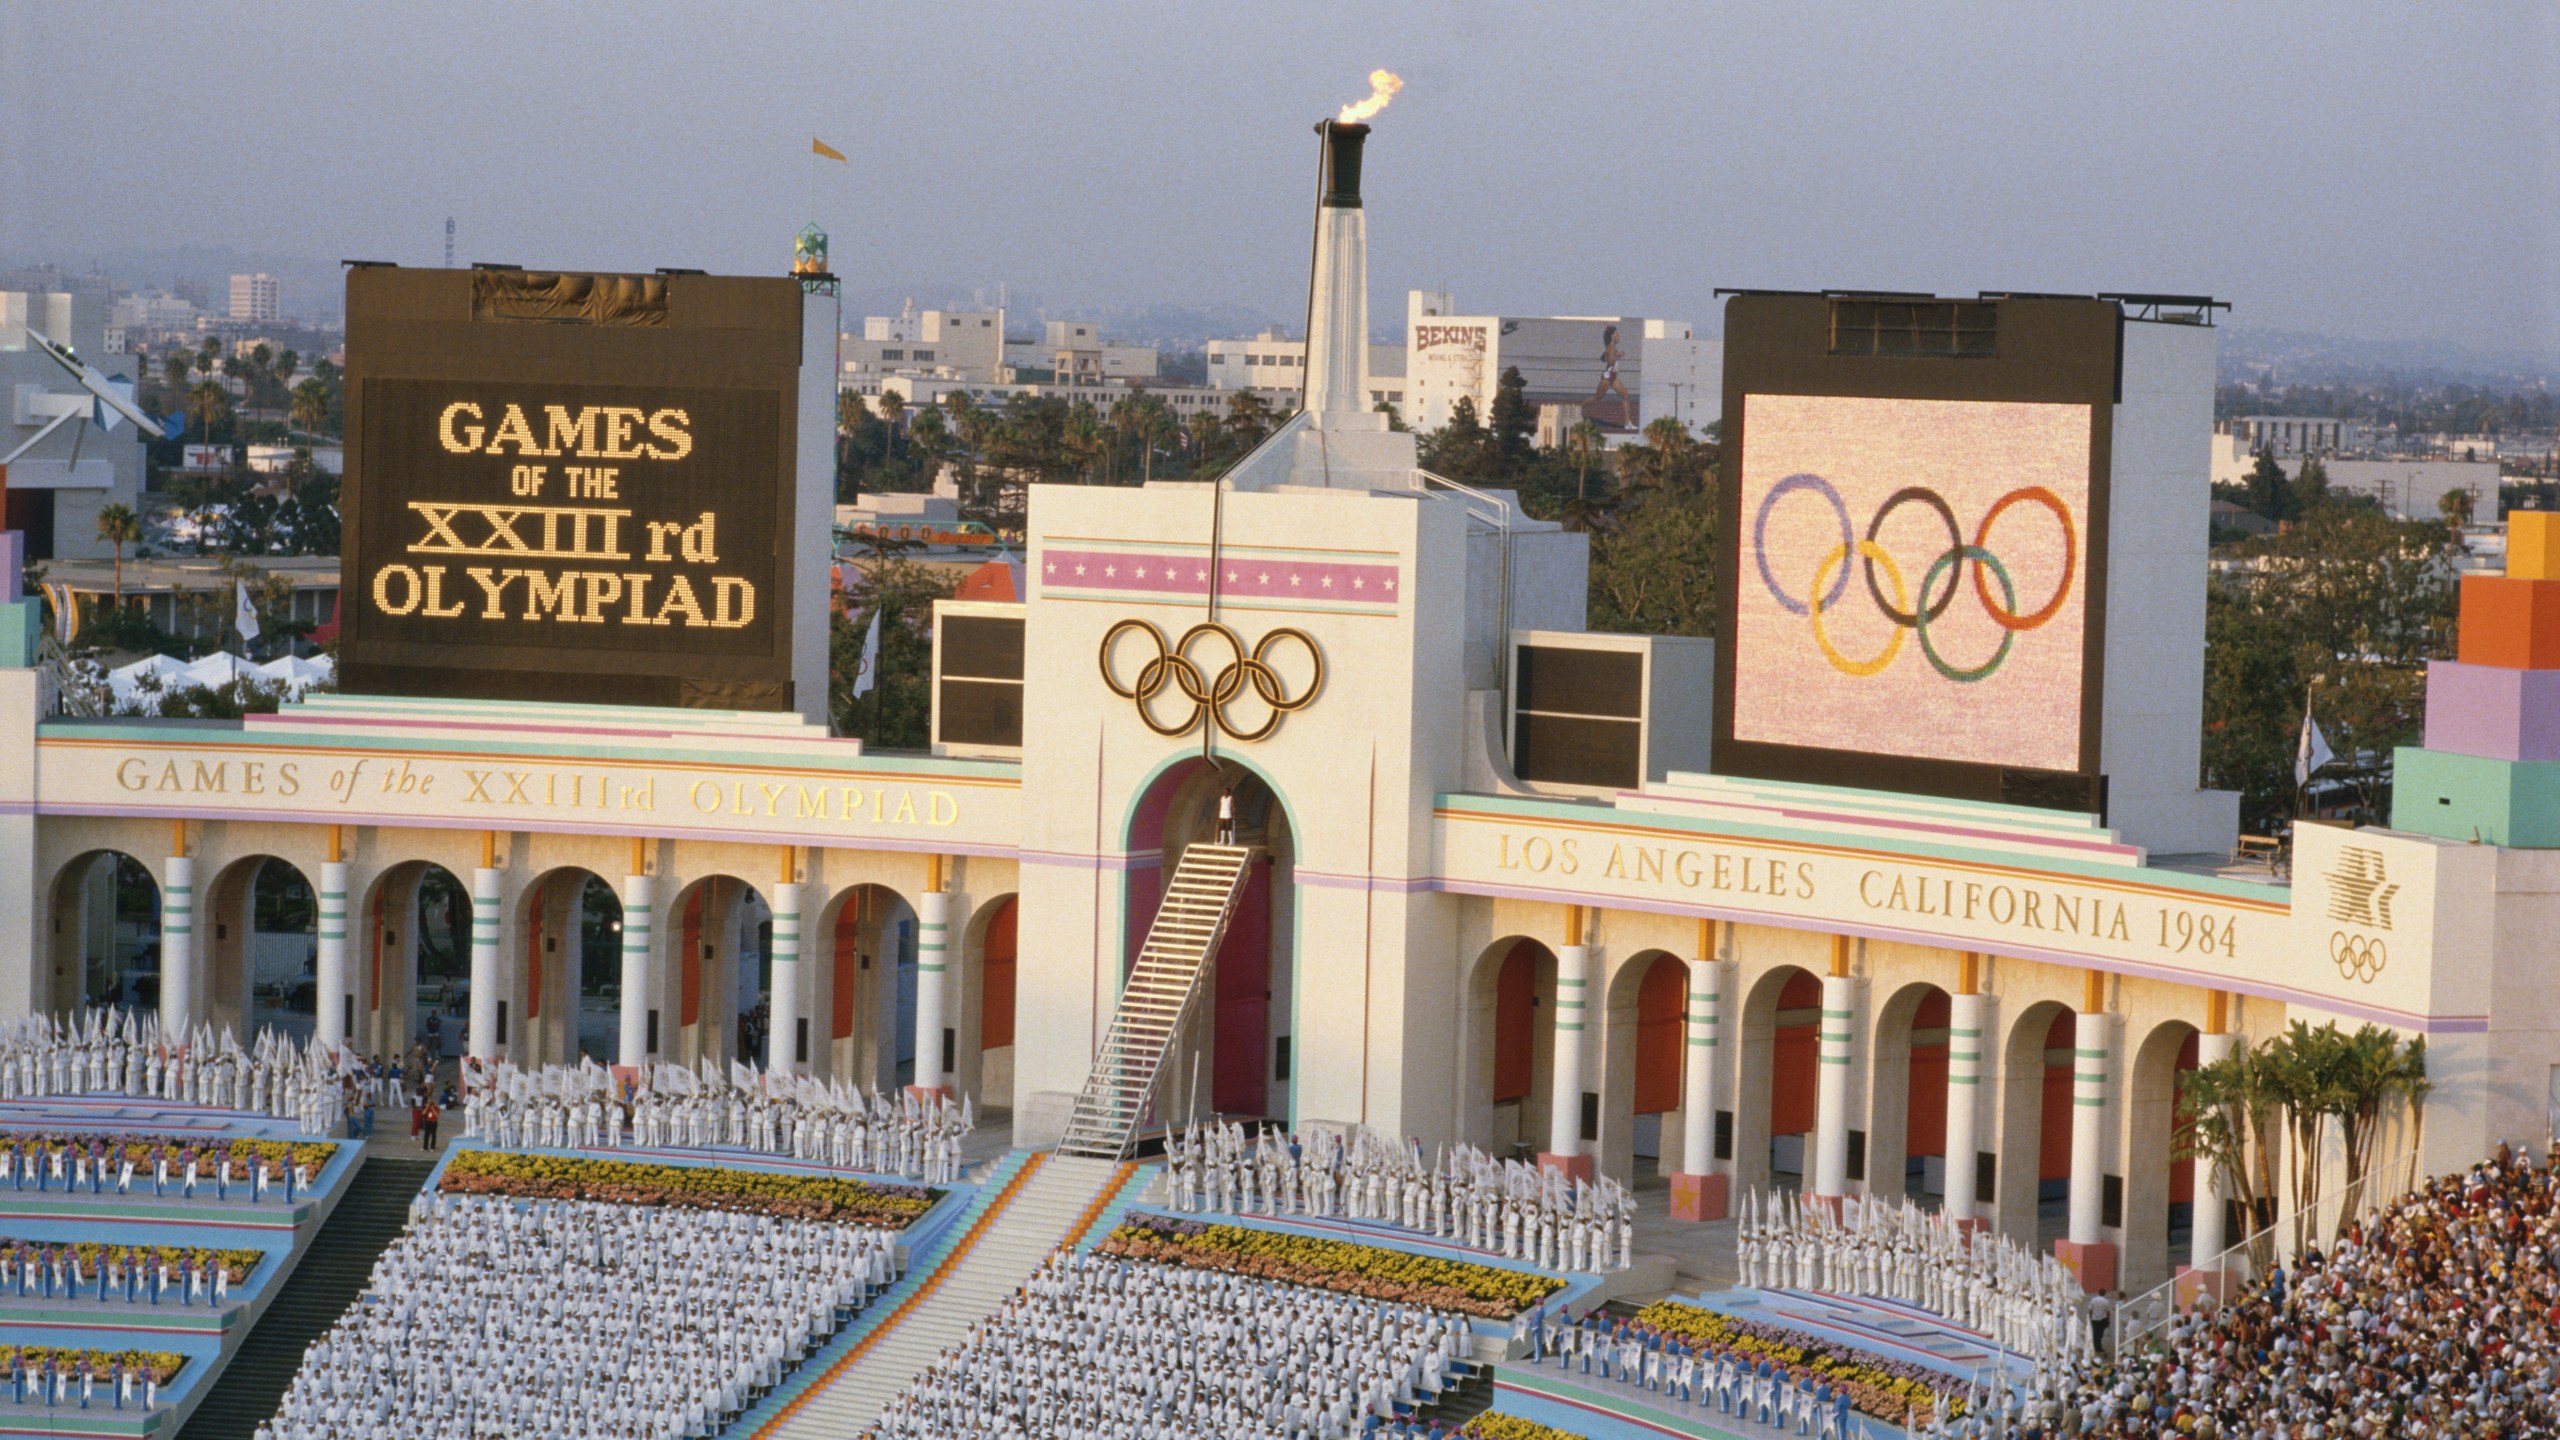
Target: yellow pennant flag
821 147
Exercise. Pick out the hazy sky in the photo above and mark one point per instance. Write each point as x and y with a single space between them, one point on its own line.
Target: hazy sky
2369 169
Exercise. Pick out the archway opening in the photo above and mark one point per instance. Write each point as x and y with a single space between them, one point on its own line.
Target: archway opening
987 1063
106 931
1774 1109
567 985
413 963
866 990
1232 1057
1514 991
1642 1060
262 955
1907 1106
2159 1201
724 933
2034 1169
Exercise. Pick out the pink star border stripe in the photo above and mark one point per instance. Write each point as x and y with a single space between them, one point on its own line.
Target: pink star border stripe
1122 571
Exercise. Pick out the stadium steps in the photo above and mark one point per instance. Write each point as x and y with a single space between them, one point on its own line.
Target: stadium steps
307 1302
1465 1400
1052 1200
1161 988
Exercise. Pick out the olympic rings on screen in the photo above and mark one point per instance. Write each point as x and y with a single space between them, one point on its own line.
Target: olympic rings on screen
1209 697
2358 957
1981 559
1760 538
1872 553
1908 612
2008 615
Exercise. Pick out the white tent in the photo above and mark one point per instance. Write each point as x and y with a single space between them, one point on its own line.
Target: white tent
295 674
218 670
126 682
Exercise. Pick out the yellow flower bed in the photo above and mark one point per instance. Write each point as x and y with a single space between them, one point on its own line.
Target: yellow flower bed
1873 1385
161 1365
1494 1425
625 1182
1355 1269
94 1254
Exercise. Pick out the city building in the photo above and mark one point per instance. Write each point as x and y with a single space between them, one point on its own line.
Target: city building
253 299
2415 489
965 345
1074 353
1621 371
2286 436
63 456
1272 364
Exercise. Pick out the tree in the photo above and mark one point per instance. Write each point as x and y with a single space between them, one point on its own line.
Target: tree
310 404
1583 442
208 402
2269 493
2455 506
897 714
1653 571
2340 610
1513 419
1463 449
174 369
119 527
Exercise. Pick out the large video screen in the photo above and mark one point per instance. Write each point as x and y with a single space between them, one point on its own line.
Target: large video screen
587 500
1913 578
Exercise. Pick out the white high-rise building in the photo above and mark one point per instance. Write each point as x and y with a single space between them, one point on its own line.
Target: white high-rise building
253 298
1617 371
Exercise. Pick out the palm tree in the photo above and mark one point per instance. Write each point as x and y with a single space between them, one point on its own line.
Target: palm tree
119 526
286 364
174 369
310 404
206 402
1582 442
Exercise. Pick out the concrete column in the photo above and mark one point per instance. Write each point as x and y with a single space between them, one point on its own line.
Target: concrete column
781 1047
1964 1104
2088 1127
178 948
1831 1103
2086 1249
637 927
1698 1191
487 980
933 938
2207 1236
1564 1111
330 1021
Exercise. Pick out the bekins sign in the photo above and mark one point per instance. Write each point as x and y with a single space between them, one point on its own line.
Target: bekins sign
801 806
2142 922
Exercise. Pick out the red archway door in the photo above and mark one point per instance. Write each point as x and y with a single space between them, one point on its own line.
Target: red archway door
848 963
1794 1053
2053 1149
1243 999
1515 1023
1924 1130
1660 998
995 981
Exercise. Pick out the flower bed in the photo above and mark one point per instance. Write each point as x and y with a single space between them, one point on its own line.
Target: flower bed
160 1365
1883 1388
1366 1270
1493 1425
141 1149
93 1254
624 1182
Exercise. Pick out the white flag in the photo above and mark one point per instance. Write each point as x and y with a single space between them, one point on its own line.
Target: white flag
245 616
2313 752
864 678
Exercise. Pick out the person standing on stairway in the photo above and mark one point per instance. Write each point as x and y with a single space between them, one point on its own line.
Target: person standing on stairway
1227 816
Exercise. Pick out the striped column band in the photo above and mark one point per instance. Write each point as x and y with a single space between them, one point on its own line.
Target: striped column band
1835 1042
1702 1018
2089 1076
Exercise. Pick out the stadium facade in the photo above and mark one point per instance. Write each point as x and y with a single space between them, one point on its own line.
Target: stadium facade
1906 884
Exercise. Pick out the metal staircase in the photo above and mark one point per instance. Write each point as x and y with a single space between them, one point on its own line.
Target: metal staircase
1155 1001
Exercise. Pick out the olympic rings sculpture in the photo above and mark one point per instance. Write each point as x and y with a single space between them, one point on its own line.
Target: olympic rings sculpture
2358 957
1172 667
1939 582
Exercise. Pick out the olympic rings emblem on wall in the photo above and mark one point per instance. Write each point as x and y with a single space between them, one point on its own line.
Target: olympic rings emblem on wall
1939 581
1173 667
2358 957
